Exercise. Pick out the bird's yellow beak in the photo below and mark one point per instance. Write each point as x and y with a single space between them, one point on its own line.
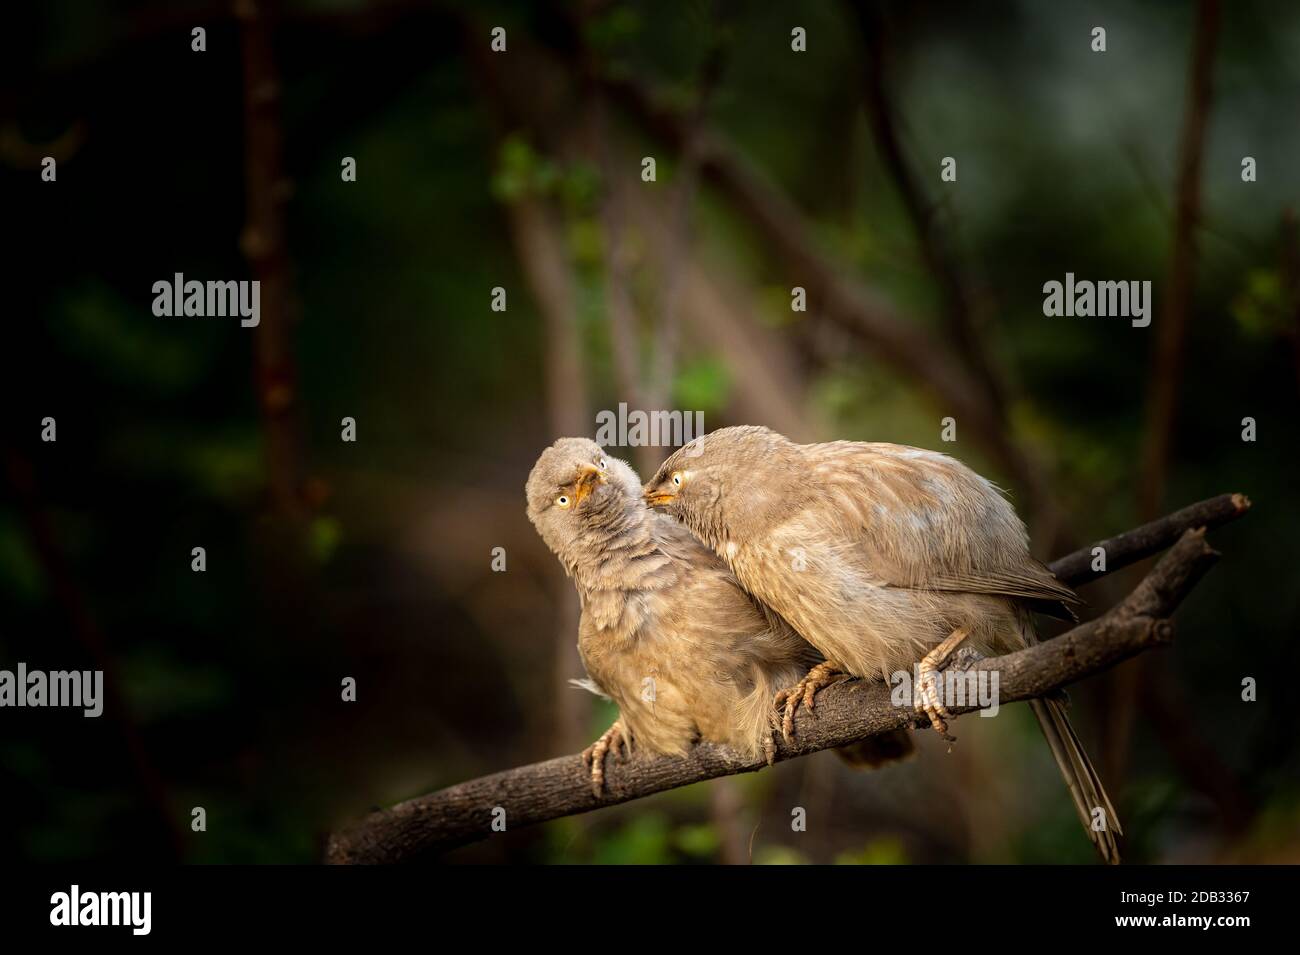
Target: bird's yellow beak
588 477
659 498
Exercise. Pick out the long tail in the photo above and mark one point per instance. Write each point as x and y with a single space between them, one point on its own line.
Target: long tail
1080 777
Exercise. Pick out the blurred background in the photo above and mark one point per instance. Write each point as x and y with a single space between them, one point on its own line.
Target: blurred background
522 170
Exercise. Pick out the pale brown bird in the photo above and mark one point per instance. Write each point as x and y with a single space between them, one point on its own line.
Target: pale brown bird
666 631
883 557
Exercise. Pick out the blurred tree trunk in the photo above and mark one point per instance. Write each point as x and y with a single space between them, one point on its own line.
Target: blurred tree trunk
263 244
541 253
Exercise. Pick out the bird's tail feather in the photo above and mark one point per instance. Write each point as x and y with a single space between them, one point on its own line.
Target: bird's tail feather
753 713
1080 777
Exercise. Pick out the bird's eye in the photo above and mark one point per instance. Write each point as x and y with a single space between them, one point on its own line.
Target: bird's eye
677 478
562 501
602 464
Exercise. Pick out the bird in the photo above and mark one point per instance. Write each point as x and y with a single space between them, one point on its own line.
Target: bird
884 557
666 630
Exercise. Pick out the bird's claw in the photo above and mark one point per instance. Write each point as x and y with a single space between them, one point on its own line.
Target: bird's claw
769 738
805 691
593 757
930 701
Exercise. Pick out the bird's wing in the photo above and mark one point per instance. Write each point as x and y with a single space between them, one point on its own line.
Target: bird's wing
923 520
732 612
1008 582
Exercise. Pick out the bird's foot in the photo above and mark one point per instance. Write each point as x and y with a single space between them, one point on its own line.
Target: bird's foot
820 676
769 745
965 658
929 700
929 696
769 737
593 757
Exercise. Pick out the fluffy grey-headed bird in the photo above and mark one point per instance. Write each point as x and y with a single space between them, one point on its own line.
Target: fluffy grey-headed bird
882 557
666 631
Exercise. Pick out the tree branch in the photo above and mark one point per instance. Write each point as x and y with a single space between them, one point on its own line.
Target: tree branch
1141 542
846 712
